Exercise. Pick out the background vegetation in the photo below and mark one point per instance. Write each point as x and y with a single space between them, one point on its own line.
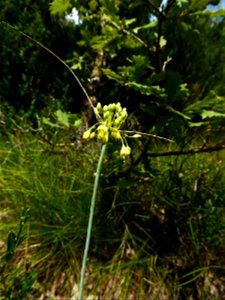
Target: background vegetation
159 229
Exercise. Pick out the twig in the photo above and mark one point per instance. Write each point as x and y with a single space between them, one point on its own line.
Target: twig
148 135
129 33
190 151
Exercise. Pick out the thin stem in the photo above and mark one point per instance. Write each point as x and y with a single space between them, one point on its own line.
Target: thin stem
148 134
55 55
90 221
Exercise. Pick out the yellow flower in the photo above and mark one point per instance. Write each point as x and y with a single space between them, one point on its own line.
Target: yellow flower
115 133
92 135
125 151
86 134
103 135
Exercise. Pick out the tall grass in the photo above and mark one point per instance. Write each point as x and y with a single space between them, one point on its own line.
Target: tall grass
159 231
56 185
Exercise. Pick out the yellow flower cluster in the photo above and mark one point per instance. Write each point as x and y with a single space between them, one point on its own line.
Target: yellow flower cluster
111 117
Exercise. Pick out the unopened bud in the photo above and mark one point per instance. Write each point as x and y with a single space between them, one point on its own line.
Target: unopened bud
125 151
96 111
115 134
106 115
118 106
112 106
124 113
103 135
99 107
135 136
86 134
105 108
92 135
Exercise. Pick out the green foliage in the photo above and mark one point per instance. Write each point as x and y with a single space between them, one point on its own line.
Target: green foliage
175 214
64 120
16 281
14 239
201 4
165 64
58 194
30 78
59 6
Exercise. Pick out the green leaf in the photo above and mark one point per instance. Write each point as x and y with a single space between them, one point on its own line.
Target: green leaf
62 117
211 102
47 121
25 216
59 6
100 42
213 14
197 124
137 69
201 4
75 121
113 75
147 89
77 124
178 113
162 42
93 4
11 246
147 26
211 114
109 7
127 22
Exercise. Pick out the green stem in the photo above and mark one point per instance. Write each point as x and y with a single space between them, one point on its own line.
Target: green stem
90 221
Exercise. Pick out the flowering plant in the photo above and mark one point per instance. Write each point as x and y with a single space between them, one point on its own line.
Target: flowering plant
110 120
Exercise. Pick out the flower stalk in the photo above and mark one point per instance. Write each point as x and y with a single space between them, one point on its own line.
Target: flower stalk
110 119
90 221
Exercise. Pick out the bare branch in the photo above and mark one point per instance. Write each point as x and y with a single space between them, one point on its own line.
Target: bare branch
203 149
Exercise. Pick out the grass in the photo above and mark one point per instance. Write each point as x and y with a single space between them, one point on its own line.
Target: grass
158 233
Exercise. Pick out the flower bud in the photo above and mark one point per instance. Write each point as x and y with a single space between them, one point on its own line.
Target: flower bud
112 106
118 106
115 133
135 136
119 121
116 122
103 135
105 108
96 111
99 107
86 134
125 151
92 135
106 115
124 113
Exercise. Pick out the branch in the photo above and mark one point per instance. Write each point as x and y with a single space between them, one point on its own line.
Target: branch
129 33
154 8
147 135
169 5
190 151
